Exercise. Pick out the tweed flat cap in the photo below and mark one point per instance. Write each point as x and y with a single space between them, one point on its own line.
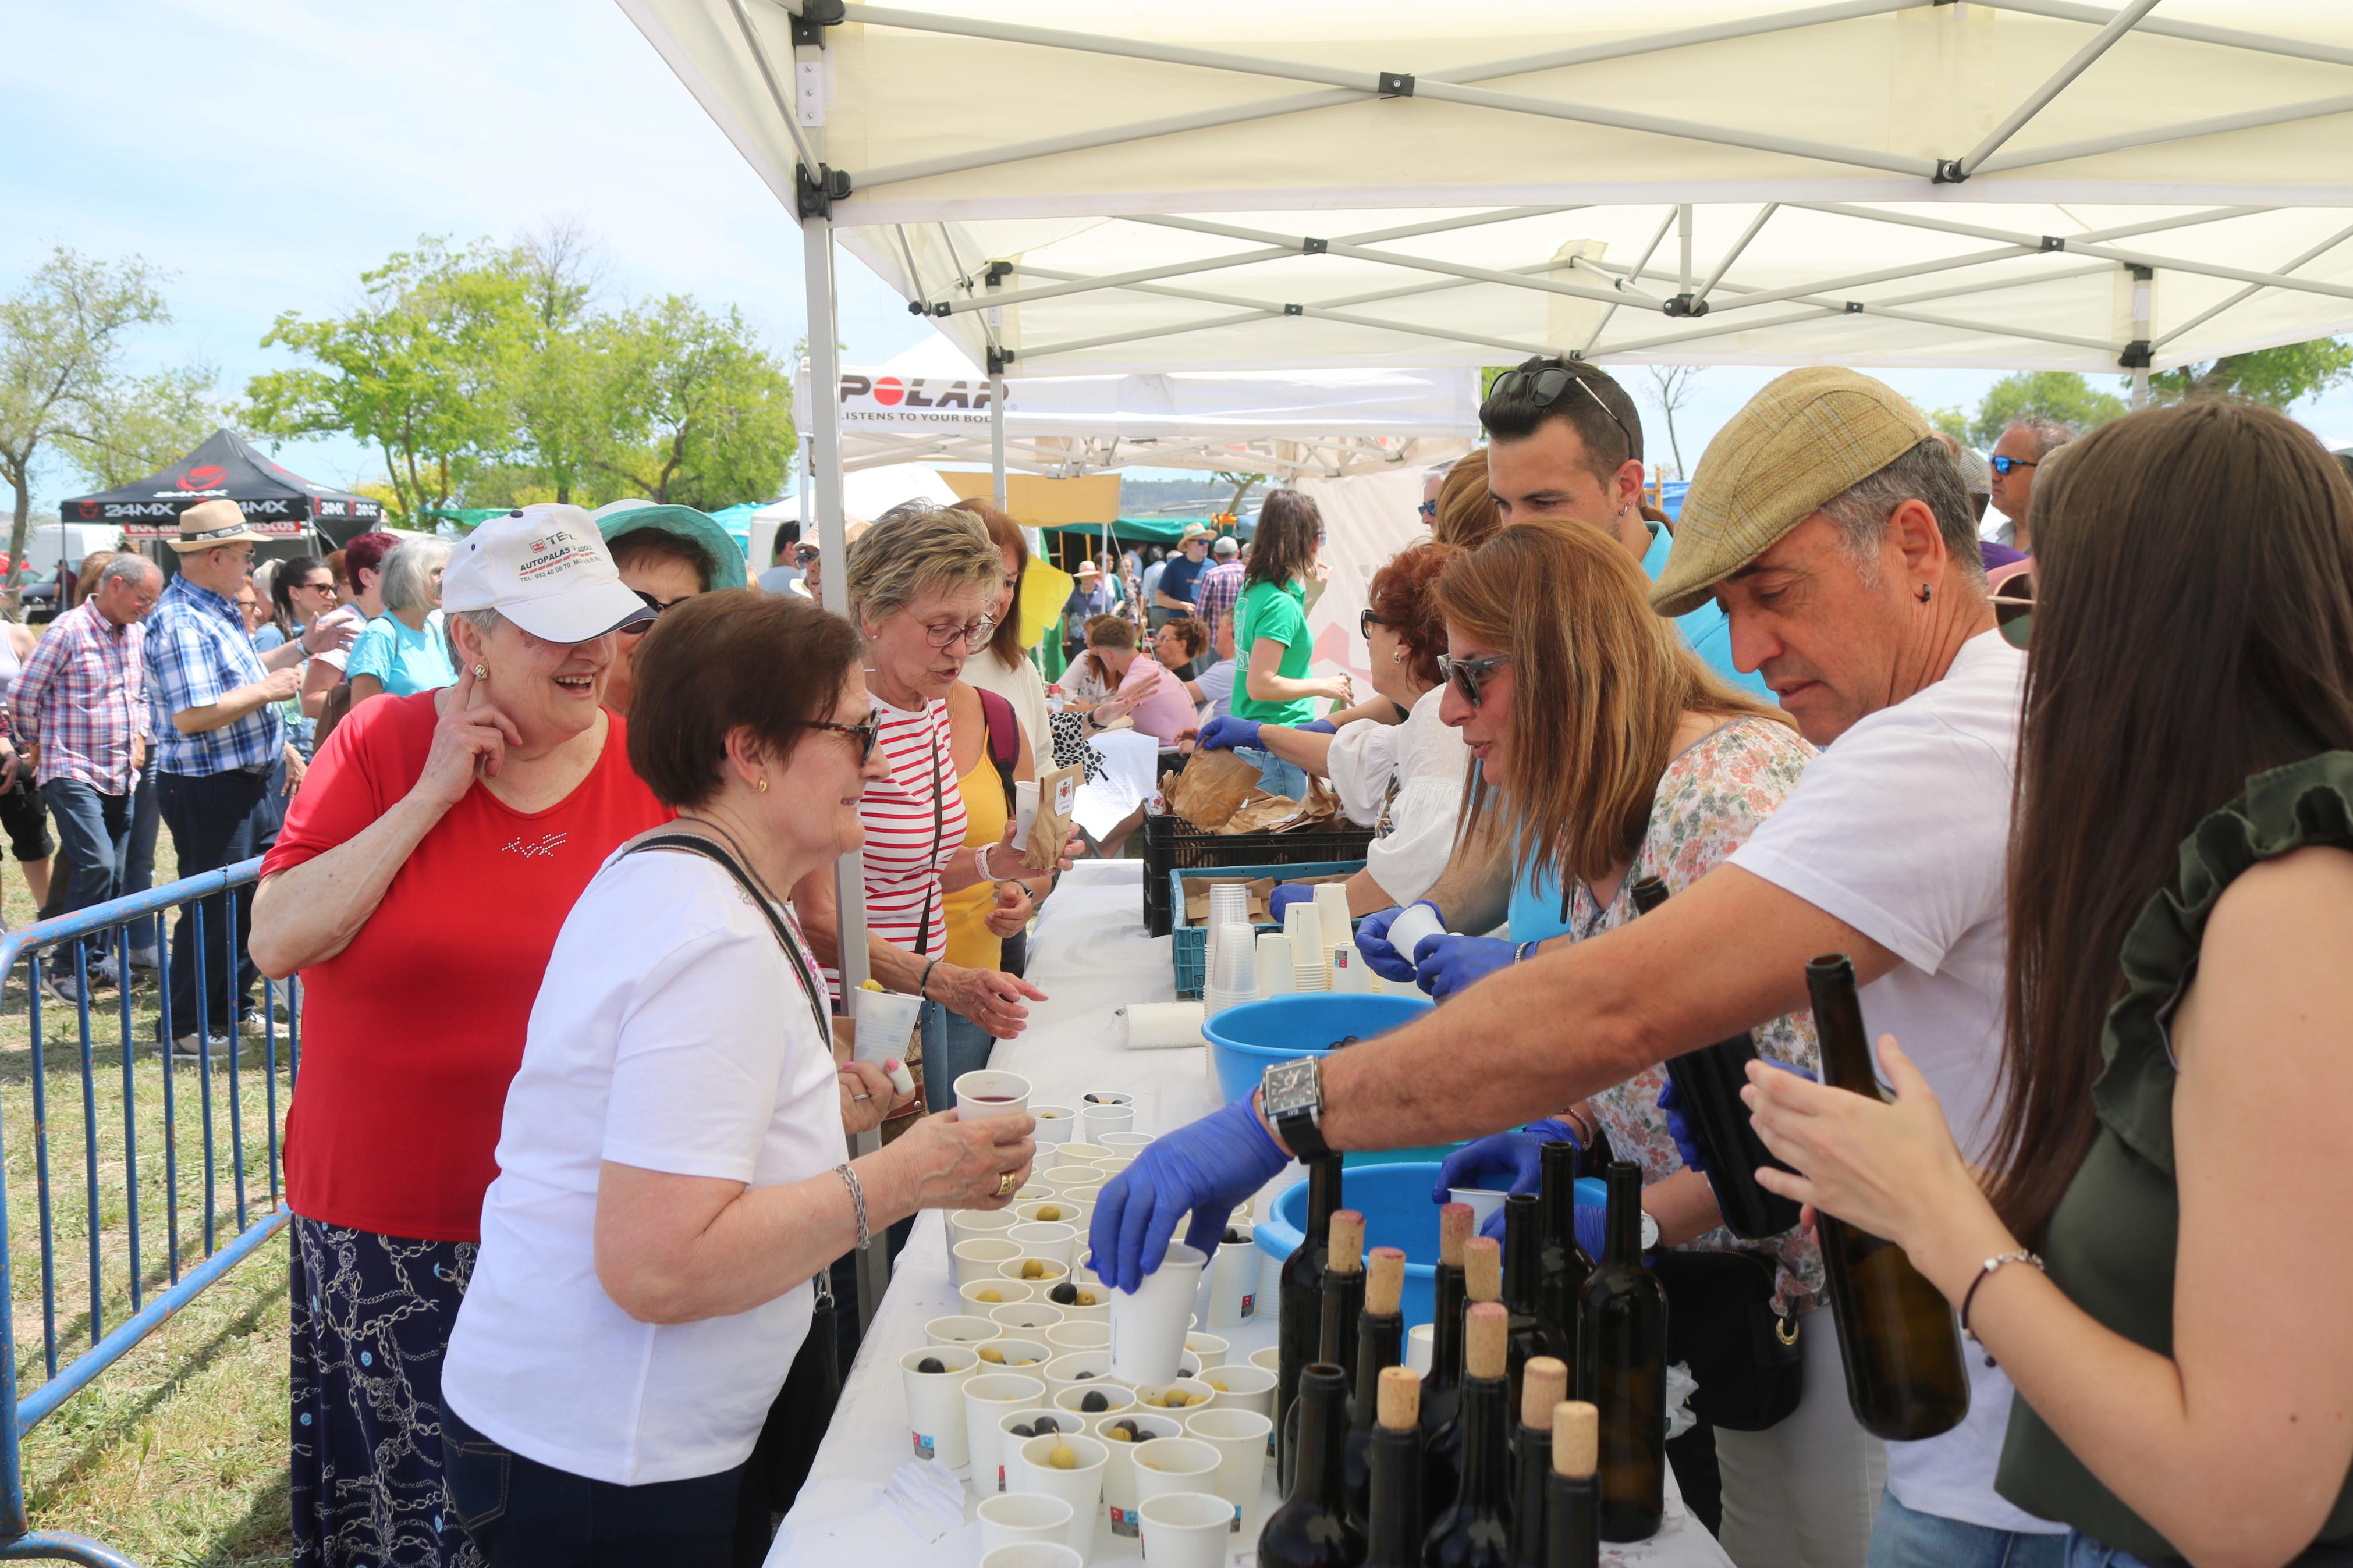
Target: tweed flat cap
1809 435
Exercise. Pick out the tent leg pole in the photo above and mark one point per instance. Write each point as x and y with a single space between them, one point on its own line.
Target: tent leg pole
823 461
997 439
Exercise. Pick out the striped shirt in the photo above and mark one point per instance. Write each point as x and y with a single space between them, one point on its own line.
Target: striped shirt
1214 598
198 651
82 697
914 822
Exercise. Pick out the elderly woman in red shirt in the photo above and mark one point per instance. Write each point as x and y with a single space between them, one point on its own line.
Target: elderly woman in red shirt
445 834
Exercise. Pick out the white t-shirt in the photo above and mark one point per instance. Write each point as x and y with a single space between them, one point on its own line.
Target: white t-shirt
1902 830
1425 764
670 1034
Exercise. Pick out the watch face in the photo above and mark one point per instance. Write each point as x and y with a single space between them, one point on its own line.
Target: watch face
1650 1231
1289 1087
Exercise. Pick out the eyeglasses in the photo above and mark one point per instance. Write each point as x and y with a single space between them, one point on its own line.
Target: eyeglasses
973 634
1429 511
2014 610
1469 675
2003 465
1365 621
326 588
639 628
1544 386
865 734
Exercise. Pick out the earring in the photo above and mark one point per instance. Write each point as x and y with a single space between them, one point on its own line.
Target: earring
761 783
1925 592
481 672
1397 657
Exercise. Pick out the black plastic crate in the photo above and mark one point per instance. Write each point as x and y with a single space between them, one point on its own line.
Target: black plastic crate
1172 843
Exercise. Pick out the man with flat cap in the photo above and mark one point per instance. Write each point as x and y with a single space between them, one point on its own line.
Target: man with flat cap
219 750
1833 529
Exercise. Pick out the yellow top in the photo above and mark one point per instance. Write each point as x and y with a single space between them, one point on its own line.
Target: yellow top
970 942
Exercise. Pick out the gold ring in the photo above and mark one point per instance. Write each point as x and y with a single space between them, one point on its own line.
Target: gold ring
1006 1183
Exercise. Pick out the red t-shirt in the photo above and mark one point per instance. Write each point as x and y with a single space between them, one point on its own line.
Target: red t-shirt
411 1034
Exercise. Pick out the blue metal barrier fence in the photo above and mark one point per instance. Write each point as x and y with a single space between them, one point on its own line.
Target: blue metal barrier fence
115 1247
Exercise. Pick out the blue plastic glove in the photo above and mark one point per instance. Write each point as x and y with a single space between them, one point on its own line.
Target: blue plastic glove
1210 1167
1671 1106
1317 727
1373 942
1593 1228
1286 896
1503 1162
1226 731
1445 964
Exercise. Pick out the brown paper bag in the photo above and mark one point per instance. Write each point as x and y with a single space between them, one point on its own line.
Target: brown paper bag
1058 798
1211 788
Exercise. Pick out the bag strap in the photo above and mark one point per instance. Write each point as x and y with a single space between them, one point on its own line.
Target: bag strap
1004 739
693 844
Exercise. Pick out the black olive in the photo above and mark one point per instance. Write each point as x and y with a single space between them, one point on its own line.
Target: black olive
1082 1377
1234 1237
1021 1429
1047 1427
1142 1436
1063 1294
1092 1402
929 1363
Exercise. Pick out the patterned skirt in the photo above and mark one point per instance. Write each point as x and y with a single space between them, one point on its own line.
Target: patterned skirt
372 1320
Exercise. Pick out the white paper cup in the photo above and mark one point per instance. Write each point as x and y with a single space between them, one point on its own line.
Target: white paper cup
1040 1240
1119 1474
1063 1371
1420 1351
1105 1097
1348 971
978 1259
1304 930
1032 1190
1008 1441
1237 1386
989 1092
1080 1485
1056 1124
1072 1212
1034 1554
886 1023
1073 1334
1183 1530
1008 1293
1178 1465
1018 1518
1147 1328
1153 1396
1274 964
987 1395
1015 1354
1239 1436
1078 1152
1411 928
1050 1268
1073 1170
1024 810
935 1402
1483 1200
1233 1278
1074 1400
1094 1120
1113 1165
1269 1358
1075 1311
1030 1320
1207 1349
959 1330
972 1224
1130 1142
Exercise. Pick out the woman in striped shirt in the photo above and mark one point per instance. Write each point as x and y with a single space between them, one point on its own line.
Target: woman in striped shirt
922 582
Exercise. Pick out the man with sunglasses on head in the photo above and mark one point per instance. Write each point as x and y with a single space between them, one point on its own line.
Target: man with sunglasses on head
2017 456
1833 529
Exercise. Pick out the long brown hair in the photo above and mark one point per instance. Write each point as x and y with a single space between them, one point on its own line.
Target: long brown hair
1282 550
1006 642
1467 513
2193 627
1598 684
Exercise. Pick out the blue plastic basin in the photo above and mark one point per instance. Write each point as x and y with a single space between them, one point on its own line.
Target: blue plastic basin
1395 1201
1244 1040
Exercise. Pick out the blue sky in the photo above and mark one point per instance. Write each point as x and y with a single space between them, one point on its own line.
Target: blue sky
268 152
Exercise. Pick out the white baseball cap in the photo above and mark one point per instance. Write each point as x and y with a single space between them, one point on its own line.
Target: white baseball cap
546 569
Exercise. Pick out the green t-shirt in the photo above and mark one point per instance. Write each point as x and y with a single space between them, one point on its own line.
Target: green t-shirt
1278 614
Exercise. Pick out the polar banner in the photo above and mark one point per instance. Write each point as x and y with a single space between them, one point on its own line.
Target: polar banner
881 400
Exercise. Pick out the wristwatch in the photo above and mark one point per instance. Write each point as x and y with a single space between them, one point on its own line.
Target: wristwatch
1291 1094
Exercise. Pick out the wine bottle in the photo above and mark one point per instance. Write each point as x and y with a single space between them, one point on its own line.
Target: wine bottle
1482 1281
1299 1306
1621 1368
1476 1531
1708 1081
1441 1390
1524 1288
1380 1347
1567 1263
1543 1385
1904 1375
1393 1538
1310 1529
1573 1493
1343 1303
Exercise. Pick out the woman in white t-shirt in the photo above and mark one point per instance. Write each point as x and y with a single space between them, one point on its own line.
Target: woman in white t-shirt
673 1167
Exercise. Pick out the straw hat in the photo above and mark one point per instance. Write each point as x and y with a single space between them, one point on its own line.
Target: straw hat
209 524
1807 436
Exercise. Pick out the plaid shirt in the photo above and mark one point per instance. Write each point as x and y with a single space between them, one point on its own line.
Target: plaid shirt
1214 597
197 653
83 698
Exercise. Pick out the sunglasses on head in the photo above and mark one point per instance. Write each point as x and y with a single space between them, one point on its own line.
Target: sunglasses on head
1544 388
1469 675
866 735
2004 465
2013 609
805 556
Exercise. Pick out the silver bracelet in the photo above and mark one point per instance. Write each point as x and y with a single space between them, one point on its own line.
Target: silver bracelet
856 1200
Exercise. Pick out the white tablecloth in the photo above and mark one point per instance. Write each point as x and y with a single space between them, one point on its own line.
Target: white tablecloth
1090 955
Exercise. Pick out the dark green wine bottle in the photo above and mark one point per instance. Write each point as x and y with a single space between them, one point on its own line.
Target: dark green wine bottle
1342 1303
1524 1289
1299 1303
1566 1264
1380 1347
1310 1529
1573 1493
1543 1384
1621 1368
1441 1390
1476 1531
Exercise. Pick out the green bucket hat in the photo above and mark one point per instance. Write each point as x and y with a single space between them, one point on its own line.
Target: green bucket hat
726 556
1807 436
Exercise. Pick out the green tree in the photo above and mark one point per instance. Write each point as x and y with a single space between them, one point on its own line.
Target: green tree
699 411
423 368
61 338
2277 377
561 406
1953 422
1243 484
2060 394
145 424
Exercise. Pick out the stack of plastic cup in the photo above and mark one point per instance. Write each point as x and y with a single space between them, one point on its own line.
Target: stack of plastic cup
1305 932
1274 976
1232 979
1228 905
1332 914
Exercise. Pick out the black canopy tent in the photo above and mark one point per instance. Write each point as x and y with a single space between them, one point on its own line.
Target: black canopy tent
276 502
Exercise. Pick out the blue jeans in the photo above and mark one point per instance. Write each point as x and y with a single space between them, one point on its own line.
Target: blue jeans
94 828
1901 1538
2083 1552
216 821
953 1046
520 1513
138 853
1275 777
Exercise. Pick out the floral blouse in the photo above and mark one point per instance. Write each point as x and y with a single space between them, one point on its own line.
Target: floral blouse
1713 795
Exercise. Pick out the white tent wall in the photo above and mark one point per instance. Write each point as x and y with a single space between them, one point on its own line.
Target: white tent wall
1367 518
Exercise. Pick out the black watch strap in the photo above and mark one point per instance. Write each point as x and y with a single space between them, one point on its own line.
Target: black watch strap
1301 1136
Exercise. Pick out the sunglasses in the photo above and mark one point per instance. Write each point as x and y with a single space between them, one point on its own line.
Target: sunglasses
805 556
1428 509
639 628
2014 610
866 734
973 634
2003 466
1544 386
1469 675
1365 621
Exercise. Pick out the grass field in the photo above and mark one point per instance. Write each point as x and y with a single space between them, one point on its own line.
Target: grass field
176 1454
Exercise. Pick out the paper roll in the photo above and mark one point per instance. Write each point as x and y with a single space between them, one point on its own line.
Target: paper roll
1157 1025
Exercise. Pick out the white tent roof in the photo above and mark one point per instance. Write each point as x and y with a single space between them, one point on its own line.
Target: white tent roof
1234 185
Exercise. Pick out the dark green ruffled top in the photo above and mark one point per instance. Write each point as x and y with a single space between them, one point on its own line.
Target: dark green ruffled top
2114 1235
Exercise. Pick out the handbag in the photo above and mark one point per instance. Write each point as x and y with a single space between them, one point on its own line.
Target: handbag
1744 1355
803 1408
